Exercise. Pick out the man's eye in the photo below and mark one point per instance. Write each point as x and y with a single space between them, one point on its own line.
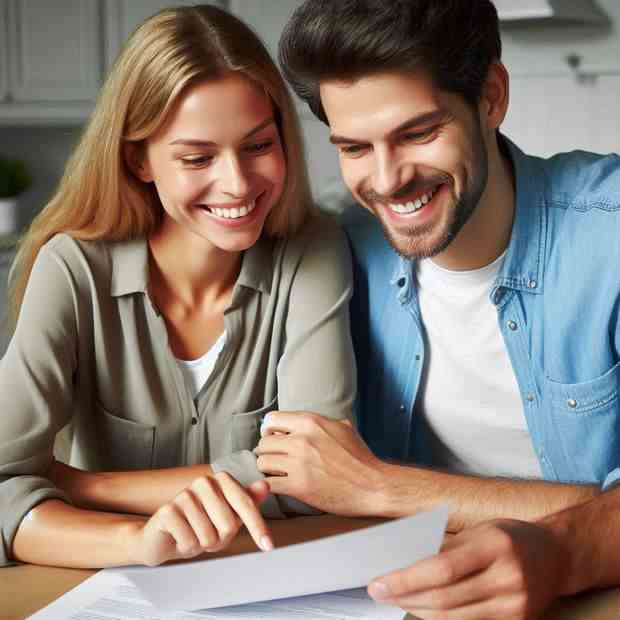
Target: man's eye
352 150
418 136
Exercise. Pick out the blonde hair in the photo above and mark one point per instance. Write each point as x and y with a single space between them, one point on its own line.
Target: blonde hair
98 197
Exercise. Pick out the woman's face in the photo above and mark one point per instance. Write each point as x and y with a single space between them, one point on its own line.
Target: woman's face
218 163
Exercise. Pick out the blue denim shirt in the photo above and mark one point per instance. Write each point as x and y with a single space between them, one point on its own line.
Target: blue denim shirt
558 308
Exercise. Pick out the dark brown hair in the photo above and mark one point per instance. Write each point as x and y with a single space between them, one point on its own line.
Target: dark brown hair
454 40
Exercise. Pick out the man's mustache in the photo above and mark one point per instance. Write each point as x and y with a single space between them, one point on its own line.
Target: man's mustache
413 186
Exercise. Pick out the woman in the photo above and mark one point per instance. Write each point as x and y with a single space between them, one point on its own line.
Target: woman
174 290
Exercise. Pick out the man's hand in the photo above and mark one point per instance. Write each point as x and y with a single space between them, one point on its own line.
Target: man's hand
503 569
204 517
321 462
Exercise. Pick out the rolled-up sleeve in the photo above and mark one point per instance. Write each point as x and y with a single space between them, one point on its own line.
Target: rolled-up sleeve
36 377
316 371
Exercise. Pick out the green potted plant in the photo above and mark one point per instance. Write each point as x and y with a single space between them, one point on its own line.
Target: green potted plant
14 180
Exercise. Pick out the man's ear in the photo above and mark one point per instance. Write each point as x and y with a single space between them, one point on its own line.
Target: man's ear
137 162
495 96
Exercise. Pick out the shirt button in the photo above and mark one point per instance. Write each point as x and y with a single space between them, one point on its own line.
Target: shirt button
512 326
417 358
498 296
572 403
532 284
194 420
401 281
530 397
402 408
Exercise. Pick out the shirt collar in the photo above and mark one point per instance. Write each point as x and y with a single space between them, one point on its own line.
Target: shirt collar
130 267
523 268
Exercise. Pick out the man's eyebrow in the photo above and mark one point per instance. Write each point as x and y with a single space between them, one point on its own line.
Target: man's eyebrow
416 121
192 142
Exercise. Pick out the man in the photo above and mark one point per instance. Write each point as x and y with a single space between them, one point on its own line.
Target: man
485 321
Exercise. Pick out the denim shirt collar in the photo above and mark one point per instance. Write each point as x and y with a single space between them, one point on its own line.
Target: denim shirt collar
523 267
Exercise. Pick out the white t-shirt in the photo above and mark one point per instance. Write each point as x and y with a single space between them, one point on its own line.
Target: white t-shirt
469 394
196 372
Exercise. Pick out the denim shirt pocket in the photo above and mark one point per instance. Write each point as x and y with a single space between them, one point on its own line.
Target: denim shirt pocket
125 444
245 426
587 418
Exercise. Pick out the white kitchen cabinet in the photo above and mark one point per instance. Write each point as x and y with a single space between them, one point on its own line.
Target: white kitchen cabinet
54 55
53 61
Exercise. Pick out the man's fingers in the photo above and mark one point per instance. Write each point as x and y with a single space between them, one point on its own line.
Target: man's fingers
273 444
291 422
246 508
280 485
274 464
435 572
479 587
510 606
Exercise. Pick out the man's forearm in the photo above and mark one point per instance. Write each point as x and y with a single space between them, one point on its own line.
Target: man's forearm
137 492
405 490
589 536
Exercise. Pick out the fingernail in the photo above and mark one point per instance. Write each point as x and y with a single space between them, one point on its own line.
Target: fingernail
266 544
379 591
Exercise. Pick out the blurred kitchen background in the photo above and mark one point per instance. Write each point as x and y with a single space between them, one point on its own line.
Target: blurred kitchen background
563 57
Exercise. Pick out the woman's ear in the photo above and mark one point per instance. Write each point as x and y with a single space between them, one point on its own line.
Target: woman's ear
137 162
495 96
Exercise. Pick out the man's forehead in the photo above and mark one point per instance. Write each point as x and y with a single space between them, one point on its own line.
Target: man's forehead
377 103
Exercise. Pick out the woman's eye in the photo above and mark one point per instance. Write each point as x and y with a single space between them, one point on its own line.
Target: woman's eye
197 161
259 147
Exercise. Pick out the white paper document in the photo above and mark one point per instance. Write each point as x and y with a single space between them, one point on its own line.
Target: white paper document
339 562
108 595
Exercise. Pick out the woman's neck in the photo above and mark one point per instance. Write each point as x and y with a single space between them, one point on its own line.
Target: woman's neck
187 270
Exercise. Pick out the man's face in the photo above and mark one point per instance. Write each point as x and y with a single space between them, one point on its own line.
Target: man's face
413 155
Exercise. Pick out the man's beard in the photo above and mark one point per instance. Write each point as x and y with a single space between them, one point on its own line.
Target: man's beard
411 243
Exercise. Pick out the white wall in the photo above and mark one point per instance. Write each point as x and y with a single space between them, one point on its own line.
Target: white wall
552 108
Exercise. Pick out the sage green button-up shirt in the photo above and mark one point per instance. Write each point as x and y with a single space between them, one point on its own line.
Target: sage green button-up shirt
92 350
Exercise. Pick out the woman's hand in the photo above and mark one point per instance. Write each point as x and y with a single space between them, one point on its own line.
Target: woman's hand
205 516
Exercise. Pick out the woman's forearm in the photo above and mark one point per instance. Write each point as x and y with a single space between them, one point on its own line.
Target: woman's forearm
136 492
57 534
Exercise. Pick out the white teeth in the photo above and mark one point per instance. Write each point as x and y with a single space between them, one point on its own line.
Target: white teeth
234 212
412 206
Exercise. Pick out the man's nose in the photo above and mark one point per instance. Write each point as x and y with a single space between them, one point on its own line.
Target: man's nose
388 173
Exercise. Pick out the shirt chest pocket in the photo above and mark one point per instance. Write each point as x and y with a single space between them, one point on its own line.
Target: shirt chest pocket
245 427
586 420
124 444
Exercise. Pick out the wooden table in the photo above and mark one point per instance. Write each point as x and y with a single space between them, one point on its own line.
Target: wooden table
27 588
